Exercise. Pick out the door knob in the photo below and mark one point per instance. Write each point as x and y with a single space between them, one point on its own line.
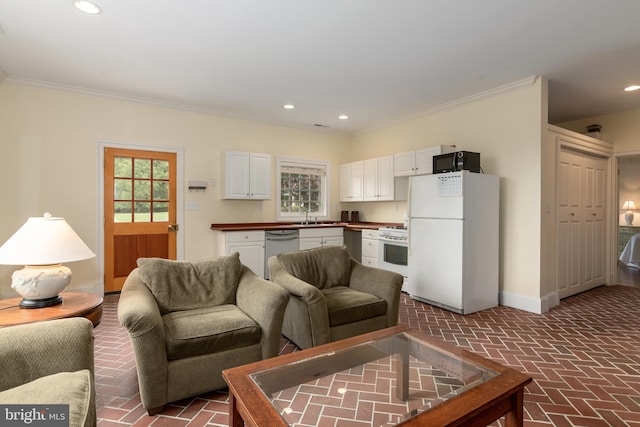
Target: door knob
173 228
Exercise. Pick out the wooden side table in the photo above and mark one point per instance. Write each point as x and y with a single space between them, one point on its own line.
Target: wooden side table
74 304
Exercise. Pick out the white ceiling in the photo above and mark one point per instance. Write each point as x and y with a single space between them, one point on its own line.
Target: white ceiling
378 61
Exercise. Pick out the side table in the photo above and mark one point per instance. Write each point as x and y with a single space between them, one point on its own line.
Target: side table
74 304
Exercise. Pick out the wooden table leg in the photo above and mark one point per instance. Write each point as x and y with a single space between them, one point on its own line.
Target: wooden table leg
515 417
235 420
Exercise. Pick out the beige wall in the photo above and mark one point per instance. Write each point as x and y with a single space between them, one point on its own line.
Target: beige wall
629 187
49 162
621 129
506 128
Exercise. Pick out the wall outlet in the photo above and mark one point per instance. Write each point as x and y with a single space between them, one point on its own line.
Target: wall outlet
213 182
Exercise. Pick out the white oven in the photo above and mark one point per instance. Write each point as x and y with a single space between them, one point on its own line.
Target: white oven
393 251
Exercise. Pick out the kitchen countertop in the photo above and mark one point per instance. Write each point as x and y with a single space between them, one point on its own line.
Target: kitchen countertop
295 225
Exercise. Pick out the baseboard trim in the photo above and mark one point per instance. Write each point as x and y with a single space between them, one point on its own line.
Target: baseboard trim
530 304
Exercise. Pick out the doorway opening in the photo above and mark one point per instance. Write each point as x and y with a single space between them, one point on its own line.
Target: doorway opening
628 220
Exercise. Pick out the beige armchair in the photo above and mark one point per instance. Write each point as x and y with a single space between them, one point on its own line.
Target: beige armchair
50 363
188 321
333 296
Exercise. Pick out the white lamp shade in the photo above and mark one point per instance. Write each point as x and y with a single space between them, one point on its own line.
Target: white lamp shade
629 205
44 241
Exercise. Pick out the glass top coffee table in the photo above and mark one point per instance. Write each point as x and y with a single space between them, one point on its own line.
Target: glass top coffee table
396 376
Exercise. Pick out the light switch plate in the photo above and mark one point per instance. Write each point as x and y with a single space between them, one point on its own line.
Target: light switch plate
192 205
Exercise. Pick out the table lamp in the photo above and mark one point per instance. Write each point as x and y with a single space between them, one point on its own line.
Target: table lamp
42 244
628 216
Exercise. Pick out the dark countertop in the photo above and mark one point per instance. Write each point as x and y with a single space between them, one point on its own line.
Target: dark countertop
248 226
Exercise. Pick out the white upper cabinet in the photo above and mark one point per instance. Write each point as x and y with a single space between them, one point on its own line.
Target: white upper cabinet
378 179
247 175
419 162
351 181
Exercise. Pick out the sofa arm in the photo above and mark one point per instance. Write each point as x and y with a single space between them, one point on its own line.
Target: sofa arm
264 302
28 352
139 313
382 283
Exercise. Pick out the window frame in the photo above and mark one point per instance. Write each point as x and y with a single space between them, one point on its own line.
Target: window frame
325 196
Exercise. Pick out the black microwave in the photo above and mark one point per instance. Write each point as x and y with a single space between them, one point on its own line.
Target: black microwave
456 161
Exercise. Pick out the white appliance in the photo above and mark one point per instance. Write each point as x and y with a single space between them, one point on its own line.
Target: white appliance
393 251
453 240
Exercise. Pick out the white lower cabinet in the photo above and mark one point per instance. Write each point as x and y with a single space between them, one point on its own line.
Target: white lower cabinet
249 244
370 248
321 236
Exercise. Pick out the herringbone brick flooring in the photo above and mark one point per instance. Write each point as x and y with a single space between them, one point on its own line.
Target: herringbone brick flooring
584 357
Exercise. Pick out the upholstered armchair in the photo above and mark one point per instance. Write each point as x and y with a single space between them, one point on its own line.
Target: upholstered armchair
50 363
188 321
333 296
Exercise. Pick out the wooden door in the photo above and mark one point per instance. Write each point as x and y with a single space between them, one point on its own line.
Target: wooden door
581 223
140 210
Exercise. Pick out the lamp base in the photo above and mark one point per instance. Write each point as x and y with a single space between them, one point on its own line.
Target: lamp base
40 303
40 285
628 217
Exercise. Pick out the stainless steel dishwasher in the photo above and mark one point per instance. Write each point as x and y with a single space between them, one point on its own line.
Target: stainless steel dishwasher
277 242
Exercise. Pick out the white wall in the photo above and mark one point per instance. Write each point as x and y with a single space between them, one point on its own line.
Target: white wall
506 128
49 162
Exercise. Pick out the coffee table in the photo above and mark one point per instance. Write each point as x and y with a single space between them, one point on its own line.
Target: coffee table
74 304
395 376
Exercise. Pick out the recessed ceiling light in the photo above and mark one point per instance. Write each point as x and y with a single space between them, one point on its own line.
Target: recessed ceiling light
631 88
289 107
343 117
87 7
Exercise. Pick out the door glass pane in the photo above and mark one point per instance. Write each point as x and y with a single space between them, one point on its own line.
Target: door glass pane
122 167
160 212
122 212
142 212
160 169
122 189
142 168
160 190
142 189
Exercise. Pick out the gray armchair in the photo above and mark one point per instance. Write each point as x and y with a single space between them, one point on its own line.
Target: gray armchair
333 296
50 363
188 321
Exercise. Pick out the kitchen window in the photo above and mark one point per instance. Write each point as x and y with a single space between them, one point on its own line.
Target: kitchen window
303 189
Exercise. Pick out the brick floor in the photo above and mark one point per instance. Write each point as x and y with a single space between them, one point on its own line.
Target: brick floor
583 355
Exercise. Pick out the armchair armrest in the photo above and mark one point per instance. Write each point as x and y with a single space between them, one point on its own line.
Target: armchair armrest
264 302
313 307
28 352
296 287
382 283
139 313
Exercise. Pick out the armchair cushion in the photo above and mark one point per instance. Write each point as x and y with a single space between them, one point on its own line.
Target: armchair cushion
184 285
346 305
208 330
72 388
321 267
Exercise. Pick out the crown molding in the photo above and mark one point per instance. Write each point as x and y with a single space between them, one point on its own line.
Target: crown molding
526 82
159 103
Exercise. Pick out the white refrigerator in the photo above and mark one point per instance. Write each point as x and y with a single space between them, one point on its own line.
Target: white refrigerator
453 240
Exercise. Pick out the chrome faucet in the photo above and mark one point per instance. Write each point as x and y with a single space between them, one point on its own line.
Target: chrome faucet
306 216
